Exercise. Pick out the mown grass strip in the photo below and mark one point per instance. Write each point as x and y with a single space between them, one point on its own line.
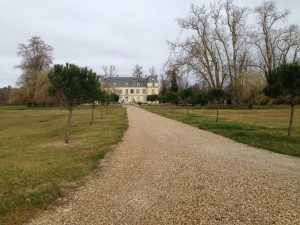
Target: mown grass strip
261 129
36 167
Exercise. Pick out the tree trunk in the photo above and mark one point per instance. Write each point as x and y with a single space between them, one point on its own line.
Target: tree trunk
67 139
291 119
217 119
187 109
101 111
93 111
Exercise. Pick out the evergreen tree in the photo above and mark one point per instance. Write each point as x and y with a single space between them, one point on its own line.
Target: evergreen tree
70 83
285 81
93 92
172 74
217 95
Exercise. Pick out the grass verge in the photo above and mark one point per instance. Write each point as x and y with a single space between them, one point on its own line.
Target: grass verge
36 167
261 128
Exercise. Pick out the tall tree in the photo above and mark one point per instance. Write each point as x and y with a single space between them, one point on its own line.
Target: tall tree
285 81
164 86
37 57
217 50
137 72
110 71
173 77
70 83
152 71
275 46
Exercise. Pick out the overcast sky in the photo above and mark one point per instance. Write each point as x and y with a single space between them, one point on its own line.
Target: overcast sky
99 32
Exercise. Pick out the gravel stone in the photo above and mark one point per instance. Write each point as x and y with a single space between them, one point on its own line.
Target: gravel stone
167 172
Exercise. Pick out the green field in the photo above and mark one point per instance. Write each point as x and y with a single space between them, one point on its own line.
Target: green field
262 128
36 167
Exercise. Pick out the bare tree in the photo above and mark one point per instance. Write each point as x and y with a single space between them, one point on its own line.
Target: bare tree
275 46
137 71
110 71
232 33
219 49
37 57
152 71
199 54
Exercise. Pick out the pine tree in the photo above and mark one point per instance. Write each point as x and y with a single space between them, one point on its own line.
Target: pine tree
285 81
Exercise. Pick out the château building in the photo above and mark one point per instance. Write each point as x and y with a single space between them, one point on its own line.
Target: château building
131 89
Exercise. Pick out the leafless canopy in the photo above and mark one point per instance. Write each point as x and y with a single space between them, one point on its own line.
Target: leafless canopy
137 71
275 45
36 55
152 71
220 45
110 71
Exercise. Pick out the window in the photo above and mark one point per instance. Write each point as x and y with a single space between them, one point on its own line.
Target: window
131 91
144 91
126 91
137 91
114 84
126 84
138 84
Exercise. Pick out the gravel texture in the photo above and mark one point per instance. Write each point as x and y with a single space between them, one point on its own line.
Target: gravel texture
166 172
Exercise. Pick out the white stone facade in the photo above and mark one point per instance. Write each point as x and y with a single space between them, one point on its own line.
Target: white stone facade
131 89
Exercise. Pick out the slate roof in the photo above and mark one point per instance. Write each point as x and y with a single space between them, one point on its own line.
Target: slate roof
132 82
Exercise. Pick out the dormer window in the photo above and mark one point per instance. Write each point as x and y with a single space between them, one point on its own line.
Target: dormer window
138 84
126 84
114 84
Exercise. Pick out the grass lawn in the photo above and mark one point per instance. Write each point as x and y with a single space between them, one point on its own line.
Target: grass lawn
262 128
36 167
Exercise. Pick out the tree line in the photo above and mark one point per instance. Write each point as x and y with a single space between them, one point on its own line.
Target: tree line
224 50
234 61
44 84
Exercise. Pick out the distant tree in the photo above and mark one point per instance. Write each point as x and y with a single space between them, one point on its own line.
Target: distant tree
152 98
164 86
202 98
285 81
187 95
37 58
41 91
217 95
93 93
114 97
152 71
4 95
16 96
36 55
172 97
110 71
70 83
172 74
138 71
275 45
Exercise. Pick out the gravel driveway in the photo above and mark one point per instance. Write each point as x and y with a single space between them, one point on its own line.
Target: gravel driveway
166 172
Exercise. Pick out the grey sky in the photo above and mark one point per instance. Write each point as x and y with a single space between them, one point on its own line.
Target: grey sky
99 32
